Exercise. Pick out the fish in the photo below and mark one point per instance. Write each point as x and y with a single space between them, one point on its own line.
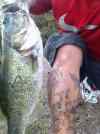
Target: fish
21 71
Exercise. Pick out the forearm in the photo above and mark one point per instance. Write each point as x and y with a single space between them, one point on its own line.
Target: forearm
39 6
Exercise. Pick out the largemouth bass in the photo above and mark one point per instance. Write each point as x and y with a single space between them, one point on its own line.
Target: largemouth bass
21 72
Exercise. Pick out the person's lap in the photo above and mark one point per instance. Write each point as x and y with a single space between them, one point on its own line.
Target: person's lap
89 67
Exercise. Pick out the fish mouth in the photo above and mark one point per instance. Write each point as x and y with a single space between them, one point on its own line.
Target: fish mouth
10 8
15 22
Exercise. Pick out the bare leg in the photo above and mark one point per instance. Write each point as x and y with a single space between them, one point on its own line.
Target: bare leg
63 88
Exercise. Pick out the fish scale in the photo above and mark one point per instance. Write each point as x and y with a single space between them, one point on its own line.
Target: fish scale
20 99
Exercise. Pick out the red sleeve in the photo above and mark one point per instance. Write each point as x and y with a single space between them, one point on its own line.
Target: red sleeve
40 6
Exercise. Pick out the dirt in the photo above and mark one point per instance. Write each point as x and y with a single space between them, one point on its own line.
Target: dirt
87 119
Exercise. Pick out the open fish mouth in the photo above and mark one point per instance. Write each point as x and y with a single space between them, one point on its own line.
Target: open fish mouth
10 8
19 27
16 23
12 16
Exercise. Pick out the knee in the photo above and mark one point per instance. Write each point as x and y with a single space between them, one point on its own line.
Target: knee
68 58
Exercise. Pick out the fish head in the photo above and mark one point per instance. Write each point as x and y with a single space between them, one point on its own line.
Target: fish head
20 29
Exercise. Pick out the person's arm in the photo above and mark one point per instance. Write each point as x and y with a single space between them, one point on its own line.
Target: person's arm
39 6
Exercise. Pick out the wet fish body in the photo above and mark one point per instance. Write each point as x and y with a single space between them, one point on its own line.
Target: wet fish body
22 76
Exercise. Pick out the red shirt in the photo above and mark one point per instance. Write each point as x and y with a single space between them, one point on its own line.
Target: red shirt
78 13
